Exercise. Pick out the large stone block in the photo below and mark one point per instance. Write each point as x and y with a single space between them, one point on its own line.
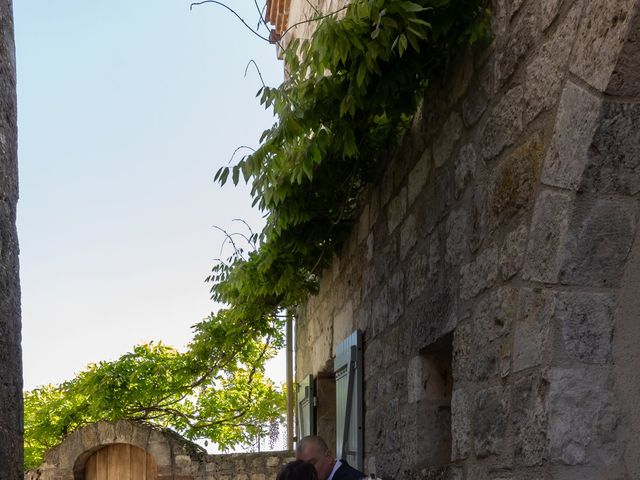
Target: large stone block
546 239
625 79
575 125
586 321
486 362
474 106
479 274
529 419
396 210
461 437
547 70
417 378
457 240
433 317
512 252
603 31
516 178
408 235
521 39
384 262
532 331
583 417
419 175
392 347
439 196
478 218
463 352
613 159
512 7
343 323
494 314
446 139
490 414
548 12
599 239
417 280
465 168
504 125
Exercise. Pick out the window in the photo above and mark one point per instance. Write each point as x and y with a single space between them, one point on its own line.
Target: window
306 400
347 367
430 385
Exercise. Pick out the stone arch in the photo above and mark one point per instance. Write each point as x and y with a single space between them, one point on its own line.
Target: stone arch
583 244
173 455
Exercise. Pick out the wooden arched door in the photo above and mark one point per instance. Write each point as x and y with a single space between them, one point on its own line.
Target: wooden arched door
120 461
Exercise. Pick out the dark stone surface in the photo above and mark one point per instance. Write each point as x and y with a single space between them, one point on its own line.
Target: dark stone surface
586 320
478 218
613 159
529 418
522 38
598 242
489 422
547 236
434 317
473 107
504 125
625 79
10 353
514 183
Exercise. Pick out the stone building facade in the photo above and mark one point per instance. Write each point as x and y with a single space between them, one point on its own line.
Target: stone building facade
10 331
494 270
171 456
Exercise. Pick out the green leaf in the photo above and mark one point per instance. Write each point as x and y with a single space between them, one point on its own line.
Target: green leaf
221 175
362 72
236 174
412 7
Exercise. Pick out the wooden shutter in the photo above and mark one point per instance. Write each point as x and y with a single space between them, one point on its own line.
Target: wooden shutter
305 393
349 405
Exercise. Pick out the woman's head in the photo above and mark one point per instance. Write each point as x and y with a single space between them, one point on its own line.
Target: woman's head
297 470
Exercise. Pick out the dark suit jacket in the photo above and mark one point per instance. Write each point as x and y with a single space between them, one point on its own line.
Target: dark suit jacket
347 472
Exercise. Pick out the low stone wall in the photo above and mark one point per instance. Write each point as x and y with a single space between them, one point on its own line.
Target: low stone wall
175 457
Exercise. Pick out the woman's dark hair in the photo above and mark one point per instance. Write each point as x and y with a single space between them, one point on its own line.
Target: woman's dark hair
297 470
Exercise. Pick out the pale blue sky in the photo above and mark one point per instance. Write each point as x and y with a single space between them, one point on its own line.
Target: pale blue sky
126 111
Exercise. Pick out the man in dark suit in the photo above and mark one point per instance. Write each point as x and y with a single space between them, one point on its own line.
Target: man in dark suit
314 450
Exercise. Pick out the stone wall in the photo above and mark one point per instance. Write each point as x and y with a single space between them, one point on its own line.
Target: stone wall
175 457
503 233
10 352
304 14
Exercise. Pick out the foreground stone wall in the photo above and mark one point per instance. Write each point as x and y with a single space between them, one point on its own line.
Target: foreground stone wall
10 352
504 229
175 457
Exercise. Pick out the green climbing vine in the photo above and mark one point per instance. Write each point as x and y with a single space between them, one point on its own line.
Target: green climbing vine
350 95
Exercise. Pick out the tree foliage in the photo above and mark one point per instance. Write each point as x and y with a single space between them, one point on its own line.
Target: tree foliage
215 390
351 93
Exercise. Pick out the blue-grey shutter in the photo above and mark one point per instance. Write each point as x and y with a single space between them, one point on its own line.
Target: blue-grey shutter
349 412
305 393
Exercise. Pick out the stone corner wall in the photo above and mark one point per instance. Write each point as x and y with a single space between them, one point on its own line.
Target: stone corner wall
505 225
11 441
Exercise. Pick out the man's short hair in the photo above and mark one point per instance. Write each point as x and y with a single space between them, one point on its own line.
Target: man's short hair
311 440
297 470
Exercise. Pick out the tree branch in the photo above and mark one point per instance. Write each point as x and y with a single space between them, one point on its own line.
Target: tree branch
232 11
